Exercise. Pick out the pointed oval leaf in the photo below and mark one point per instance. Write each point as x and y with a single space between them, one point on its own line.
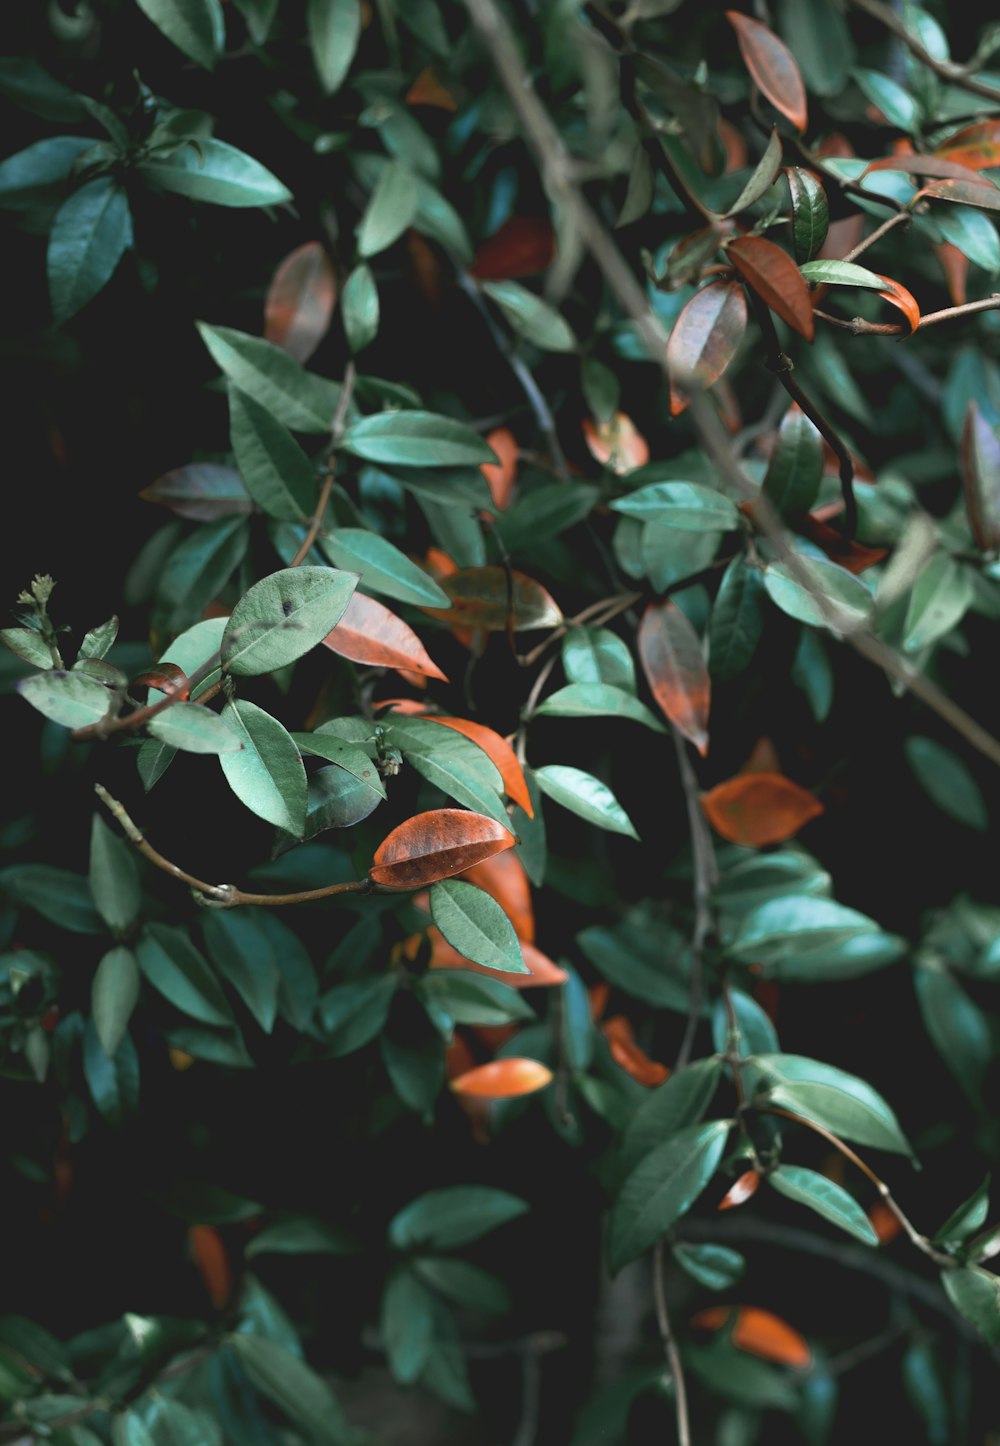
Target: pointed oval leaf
72 699
90 234
436 845
597 655
764 1334
674 665
114 878
359 308
196 27
940 598
676 1104
841 273
493 599
840 1102
826 1197
113 996
390 210
772 67
217 173
795 469
810 212
182 975
704 339
776 279
835 599
947 781
455 1216
762 177
737 620
300 301
500 754
283 616
975 1294
416 439
714 1266
530 317
503 1079
616 442
663 1187
981 478
300 400
597 700
369 633
194 729
382 567
267 774
452 762
689 506
276 472
297 1391
586 796
981 193
476 925
334 28
755 809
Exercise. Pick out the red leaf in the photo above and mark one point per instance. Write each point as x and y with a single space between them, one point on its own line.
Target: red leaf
674 665
501 476
166 677
209 1255
916 165
616 443
500 754
523 246
772 67
776 279
981 478
760 1333
372 634
982 157
503 1079
300 301
201 491
740 1192
481 598
848 554
436 845
955 265
965 193
978 134
428 90
755 809
704 339
627 1054
902 299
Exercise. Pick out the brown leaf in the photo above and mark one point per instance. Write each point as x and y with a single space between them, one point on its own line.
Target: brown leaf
166 677
772 67
628 1056
704 339
740 1192
955 265
201 491
501 476
480 598
672 659
436 845
300 301
755 809
776 279
523 246
427 89
981 478
372 634
848 554
209 1254
978 134
503 1079
983 156
966 193
883 1222
616 443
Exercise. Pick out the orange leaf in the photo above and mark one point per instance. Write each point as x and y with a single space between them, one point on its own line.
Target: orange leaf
672 660
979 133
598 994
372 634
740 1192
180 1060
955 265
758 1332
627 1054
166 677
436 845
503 1079
411 707
523 246
755 809
504 879
458 1057
704 339
848 554
776 279
300 301
501 476
883 1222
209 1255
428 90
902 299
616 443
500 754
981 157
763 759
493 599
438 563
772 67
734 146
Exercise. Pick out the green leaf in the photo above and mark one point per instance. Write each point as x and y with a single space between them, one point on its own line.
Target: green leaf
662 1188
301 1236
446 1373
445 1219
194 729
27 645
182 975
895 102
688 506
959 1029
276 472
113 996
463 1283
334 28
407 1326
172 1423
217 173
416 439
90 235
761 177
113 1082
674 1105
191 650
975 1294
756 1034
796 466
841 273
736 1376
597 655
259 16
26 176
197 27
383 568
926 1392
828 1199
810 208
586 796
300 400
63 898
296 1390
98 641
818 36
947 781
475 925
737 620
359 309
544 512
597 700
831 1097
940 598
114 878
451 762
243 954
848 603
716 1267
335 799
346 755
792 936
353 1014
529 316
72 699
967 1219
197 571
283 616
642 958
389 212
974 234
214 1046
267 774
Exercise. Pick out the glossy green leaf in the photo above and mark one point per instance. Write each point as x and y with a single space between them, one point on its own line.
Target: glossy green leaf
72 699
586 796
182 975
382 567
451 762
940 598
975 1294
947 781
662 1188
415 439
529 316
974 234
688 506
26 176
113 1082
475 925
283 616
672 1106
892 99
349 756
736 1376
754 1032
642 957
359 308
796 466
841 273
191 651
267 773
597 655
243 954
217 173
114 878
196 27
90 235
810 210
959 1029
198 570
275 380
334 28
113 996
467 998
830 597
193 729
716 1267
276 472
967 1219
826 1197
761 177
335 799
597 700
353 1014
831 1097
297 1391
737 620
389 212
457 1215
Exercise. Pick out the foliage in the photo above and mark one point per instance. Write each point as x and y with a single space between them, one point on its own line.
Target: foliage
546 473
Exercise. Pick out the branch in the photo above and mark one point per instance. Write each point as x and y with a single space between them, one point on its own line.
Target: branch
670 1349
336 431
706 876
901 218
858 326
944 69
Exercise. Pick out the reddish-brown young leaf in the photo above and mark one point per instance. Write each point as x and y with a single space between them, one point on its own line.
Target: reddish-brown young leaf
672 659
848 554
704 339
300 301
427 89
966 193
941 167
425 267
209 1254
734 146
372 634
503 877
166 677
503 1079
436 845
955 265
598 994
740 1191
523 246
772 66
501 476
983 156
755 809
759 1333
902 299
500 754
980 133
201 491
628 1056
616 443
981 478
493 599
883 1222
776 279
763 758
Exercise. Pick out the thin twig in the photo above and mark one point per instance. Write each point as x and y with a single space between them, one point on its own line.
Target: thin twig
336 432
900 218
858 326
671 1352
944 69
595 614
104 727
706 877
